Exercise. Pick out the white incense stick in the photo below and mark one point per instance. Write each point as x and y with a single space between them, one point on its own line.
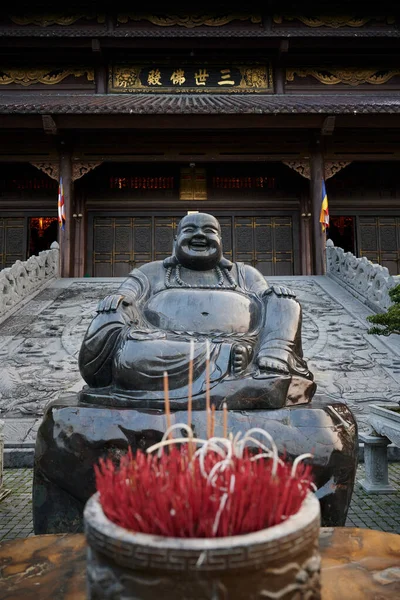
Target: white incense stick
166 400
208 407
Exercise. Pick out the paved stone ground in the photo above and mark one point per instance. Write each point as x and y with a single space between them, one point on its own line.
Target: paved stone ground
381 512
16 508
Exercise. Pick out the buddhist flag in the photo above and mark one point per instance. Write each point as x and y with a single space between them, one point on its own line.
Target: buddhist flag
324 214
61 205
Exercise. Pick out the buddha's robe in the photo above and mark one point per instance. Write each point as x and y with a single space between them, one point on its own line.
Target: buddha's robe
150 332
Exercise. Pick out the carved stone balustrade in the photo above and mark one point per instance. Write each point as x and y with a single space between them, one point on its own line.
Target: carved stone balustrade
369 282
23 278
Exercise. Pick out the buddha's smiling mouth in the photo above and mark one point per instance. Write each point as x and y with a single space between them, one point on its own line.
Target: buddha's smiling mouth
198 245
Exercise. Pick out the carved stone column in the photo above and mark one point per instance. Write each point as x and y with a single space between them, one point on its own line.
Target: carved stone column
67 235
319 237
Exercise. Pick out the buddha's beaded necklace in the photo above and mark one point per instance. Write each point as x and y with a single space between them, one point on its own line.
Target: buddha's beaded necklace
181 283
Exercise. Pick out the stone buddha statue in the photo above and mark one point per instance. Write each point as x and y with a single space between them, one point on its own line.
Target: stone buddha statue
243 338
249 332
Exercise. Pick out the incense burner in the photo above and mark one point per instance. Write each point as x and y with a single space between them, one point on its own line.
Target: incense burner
278 562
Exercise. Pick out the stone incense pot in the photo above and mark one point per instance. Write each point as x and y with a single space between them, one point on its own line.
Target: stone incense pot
279 562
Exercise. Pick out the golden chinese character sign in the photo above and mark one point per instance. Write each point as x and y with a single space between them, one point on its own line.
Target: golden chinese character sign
192 78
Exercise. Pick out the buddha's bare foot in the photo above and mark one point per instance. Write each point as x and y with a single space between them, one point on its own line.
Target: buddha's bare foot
241 356
277 364
279 360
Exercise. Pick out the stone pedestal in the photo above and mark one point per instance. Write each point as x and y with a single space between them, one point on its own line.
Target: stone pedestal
73 436
376 464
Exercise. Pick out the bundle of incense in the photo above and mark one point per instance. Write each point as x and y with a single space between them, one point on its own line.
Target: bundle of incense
211 494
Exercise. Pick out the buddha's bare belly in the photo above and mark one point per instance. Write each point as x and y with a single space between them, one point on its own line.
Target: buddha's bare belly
197 310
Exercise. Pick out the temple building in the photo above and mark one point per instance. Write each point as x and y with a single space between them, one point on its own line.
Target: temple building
137 118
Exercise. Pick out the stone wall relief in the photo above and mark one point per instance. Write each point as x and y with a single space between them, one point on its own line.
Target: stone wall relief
23 278
371 282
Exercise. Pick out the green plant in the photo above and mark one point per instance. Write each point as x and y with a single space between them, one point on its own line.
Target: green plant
388 322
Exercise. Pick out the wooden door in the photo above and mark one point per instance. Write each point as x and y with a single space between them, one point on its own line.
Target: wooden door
12 240
123 243
265 243
379 241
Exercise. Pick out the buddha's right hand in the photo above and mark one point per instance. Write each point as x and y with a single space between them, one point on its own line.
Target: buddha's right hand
111 303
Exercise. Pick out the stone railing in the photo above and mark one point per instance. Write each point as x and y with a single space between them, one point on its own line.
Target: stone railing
23 278
369 282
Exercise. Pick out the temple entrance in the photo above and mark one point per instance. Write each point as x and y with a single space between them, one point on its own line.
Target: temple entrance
25 236
43 231
120 244
342 233
133 210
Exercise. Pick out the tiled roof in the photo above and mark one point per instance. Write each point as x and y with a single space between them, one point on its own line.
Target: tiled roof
50 103
201 32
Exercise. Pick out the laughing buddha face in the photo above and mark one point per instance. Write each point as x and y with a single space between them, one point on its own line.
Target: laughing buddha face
198 243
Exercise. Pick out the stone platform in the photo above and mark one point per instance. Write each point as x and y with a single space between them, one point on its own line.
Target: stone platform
72 437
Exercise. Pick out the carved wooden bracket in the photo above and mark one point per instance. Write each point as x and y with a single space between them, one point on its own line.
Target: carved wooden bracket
51 169
79 169
302 167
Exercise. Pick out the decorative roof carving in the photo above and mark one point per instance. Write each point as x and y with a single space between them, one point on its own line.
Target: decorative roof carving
302 167
346 75
46 20
79 169
45 75
52 169
189 21
334 21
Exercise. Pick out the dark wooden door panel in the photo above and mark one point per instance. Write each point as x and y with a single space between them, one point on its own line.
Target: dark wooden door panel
379 241
12 240
123 243
265 243
164 231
